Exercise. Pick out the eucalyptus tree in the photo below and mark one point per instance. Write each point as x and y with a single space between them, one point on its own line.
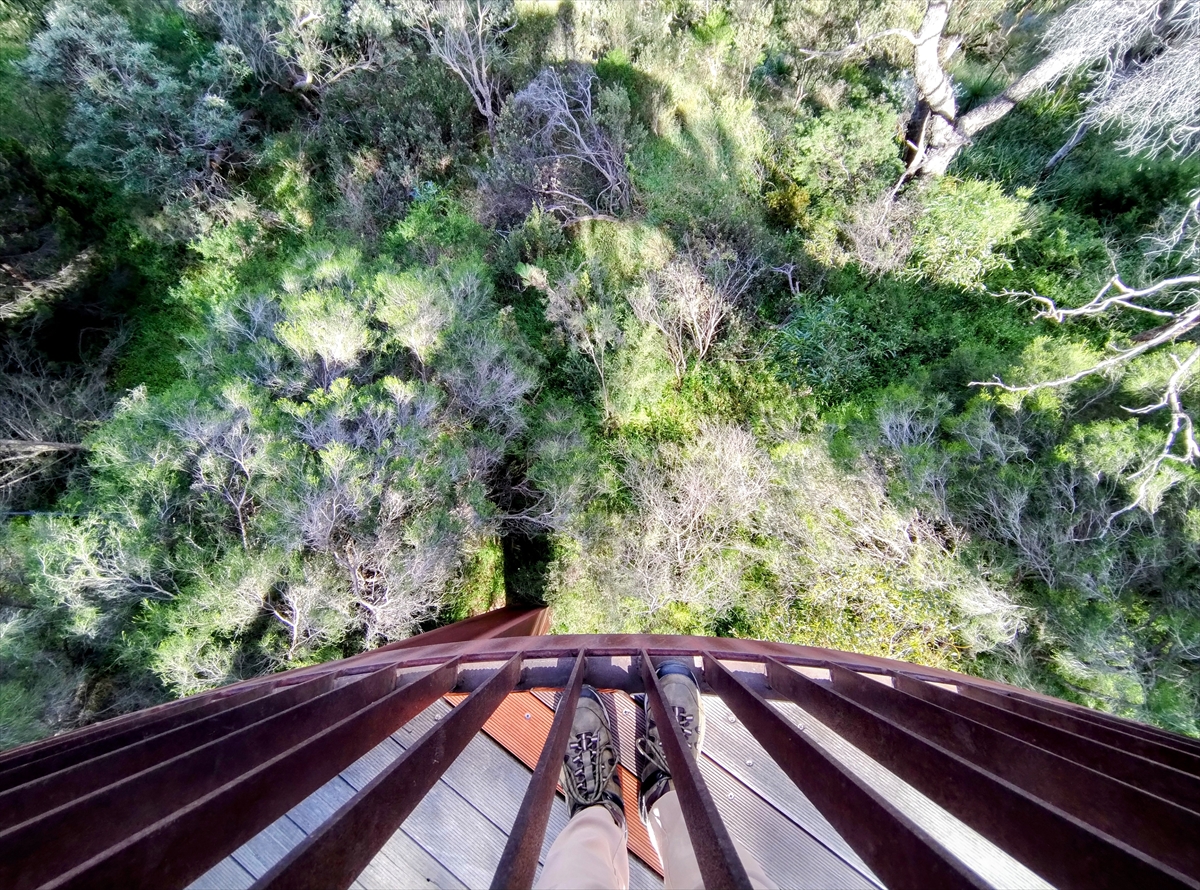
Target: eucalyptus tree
1144 55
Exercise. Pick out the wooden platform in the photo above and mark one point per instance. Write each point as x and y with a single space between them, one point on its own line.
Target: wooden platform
452 840
455 836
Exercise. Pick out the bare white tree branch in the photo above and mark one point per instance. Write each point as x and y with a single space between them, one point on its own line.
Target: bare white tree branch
465 36
1178 301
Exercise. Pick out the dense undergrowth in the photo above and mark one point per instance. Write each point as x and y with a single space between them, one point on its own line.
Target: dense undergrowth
357 360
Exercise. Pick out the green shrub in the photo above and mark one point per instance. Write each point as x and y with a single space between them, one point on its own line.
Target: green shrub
134 120
846 154
961 230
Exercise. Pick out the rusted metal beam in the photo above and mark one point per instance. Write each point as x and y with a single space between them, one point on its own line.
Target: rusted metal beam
64 838
1149 775
518 862
66 756
183 846
337 852
49 791
892 845
1112 721
1052 843
499 649
720 865
151 719
1168 755
509 621
1123 812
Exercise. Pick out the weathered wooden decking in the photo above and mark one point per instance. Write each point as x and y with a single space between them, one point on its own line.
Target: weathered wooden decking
452 840
455 836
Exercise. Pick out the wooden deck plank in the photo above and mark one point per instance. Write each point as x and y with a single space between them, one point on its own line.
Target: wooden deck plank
491 779
730 744
445 833
979 854
460 837
401 863
321 804
267 847
225 875
372 763
404 863
789 855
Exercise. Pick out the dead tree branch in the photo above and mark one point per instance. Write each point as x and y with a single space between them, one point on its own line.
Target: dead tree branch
1175 299
465 36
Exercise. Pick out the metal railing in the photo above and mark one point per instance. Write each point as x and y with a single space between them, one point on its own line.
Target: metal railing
156 798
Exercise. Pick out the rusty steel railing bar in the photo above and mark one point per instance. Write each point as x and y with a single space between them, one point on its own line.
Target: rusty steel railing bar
1149 775
63 757
1123 812
519 624
1168 755
544 676
337 852
172 711
1064 850
530 623
45 792
720 865
183 846
499 650
534 648
518 862
61 839
627 645
1111 721
893 847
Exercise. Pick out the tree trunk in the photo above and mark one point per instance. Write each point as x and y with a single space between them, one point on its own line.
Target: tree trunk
947 133
933 119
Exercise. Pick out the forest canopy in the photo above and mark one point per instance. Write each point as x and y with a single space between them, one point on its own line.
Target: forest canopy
867 325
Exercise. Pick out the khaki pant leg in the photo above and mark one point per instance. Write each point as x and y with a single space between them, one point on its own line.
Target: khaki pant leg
589 854
670 838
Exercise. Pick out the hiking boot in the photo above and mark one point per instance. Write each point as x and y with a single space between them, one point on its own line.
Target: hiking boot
589 771
681 695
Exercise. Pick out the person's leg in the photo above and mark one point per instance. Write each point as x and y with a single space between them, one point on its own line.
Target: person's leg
589 854
670 838
668 834
659 803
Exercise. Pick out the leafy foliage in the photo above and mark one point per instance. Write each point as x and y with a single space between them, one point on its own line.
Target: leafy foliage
134 119
628 308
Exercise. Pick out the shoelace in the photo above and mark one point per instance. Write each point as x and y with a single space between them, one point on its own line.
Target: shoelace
588 760
651 747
